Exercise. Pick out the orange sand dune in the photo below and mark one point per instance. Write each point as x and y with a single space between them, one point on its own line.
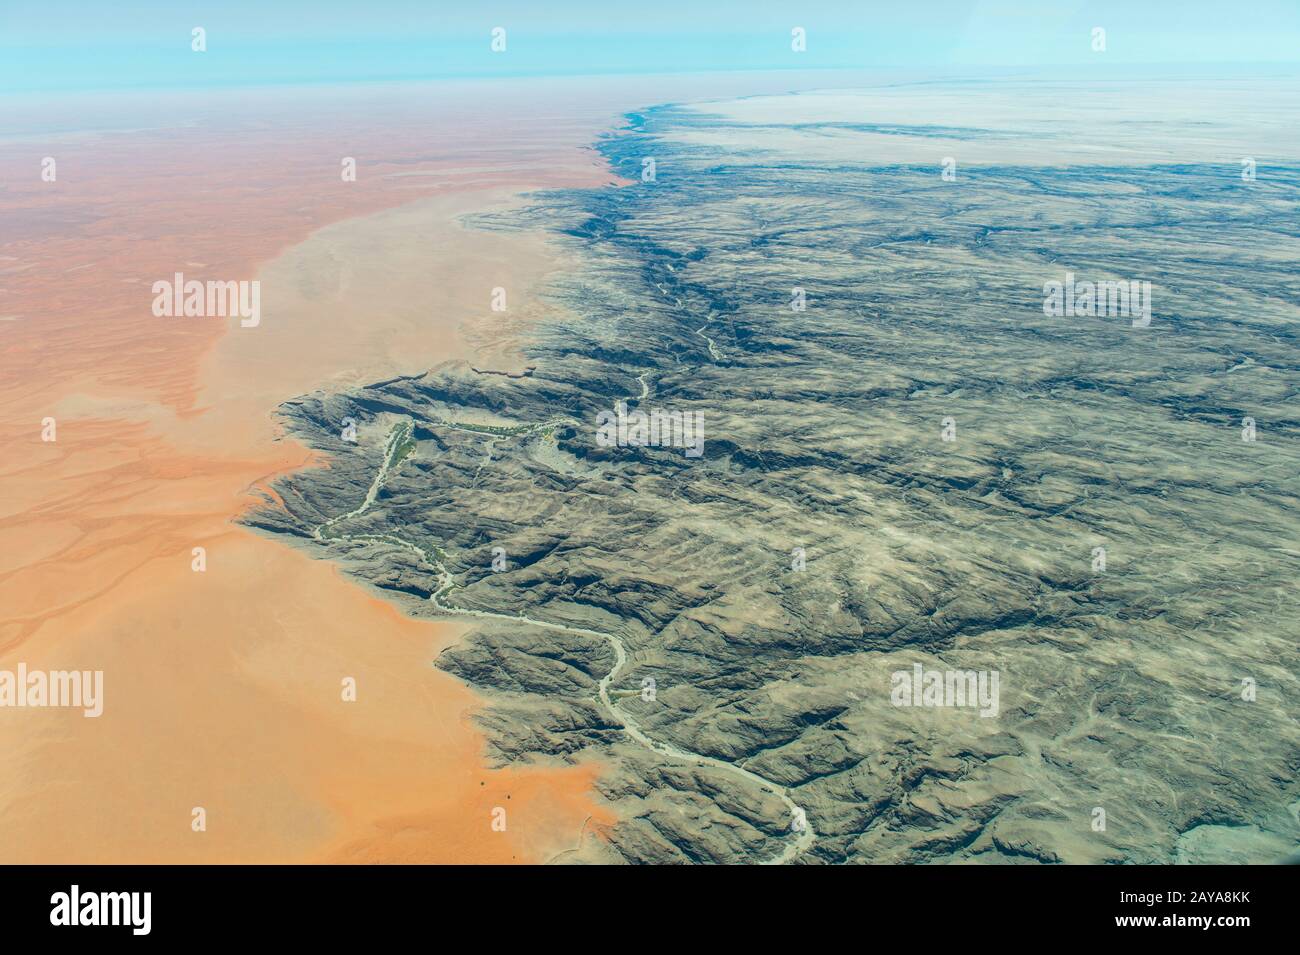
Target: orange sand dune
222 688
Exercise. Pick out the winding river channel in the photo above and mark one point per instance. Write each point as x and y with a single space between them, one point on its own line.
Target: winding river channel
398 447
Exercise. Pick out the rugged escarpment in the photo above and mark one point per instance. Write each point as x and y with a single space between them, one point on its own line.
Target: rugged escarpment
905 461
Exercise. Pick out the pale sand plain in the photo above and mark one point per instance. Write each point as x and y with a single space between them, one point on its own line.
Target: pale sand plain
1005 121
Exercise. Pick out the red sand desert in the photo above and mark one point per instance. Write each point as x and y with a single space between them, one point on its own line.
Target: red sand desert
222 689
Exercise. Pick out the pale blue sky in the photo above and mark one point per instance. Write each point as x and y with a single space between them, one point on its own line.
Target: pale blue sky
109 44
